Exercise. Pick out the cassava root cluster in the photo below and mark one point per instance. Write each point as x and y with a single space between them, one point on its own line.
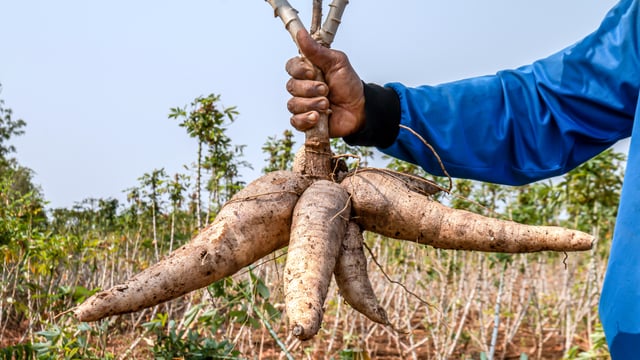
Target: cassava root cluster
321 222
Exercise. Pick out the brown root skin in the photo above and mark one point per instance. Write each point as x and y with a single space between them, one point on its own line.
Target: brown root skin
411 182
339 168
319 223
299 161
254 223
352 278
385 205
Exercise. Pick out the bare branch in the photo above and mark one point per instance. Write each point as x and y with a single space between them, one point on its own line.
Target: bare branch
316 16
326 35
288 15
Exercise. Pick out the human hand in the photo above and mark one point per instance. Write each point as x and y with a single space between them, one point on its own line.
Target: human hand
342 92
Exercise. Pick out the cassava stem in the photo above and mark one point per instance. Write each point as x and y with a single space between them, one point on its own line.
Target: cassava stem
327 33
316 16
254 223
383 204
319 223
317 145
352 278
288 15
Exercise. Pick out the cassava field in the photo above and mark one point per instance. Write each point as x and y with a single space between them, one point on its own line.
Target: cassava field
441 304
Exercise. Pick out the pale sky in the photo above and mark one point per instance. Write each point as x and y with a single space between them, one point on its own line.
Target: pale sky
94 80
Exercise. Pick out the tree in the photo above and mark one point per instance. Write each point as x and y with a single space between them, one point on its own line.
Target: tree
203 121
8 129
90 215
175 189
151 187
280 152
17 180
132 215
591 191
20 209
223 166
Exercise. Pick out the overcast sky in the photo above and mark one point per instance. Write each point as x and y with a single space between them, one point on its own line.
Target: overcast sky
94 80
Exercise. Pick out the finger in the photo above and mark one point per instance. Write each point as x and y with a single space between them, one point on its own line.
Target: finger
304 122
319 55
301 69
307 88
300 105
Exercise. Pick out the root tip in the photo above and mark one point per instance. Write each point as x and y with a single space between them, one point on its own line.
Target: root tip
299 332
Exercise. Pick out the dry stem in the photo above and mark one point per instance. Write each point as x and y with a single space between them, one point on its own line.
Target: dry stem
316 16
327 33
288 15
317 146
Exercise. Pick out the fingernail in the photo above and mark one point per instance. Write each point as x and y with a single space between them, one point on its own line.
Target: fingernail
321 89
312 117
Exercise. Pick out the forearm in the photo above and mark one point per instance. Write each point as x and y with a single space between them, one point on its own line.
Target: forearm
522 125
500 129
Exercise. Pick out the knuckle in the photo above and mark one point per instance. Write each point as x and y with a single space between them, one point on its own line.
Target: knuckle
299 69
287 67
322 104
294 122
291 105
300 122
290 86
292 65
309 88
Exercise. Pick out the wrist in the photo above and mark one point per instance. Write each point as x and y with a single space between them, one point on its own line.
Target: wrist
381 118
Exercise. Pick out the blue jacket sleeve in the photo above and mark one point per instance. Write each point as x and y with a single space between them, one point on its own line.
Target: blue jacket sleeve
534 122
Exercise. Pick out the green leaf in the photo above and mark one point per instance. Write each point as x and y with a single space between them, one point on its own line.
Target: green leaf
84 327
49 334
262 290
254 322
238 315
71 353
272 312
190 315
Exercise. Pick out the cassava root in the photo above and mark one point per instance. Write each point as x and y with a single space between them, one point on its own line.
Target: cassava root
319 224
385 205
253 224
352 278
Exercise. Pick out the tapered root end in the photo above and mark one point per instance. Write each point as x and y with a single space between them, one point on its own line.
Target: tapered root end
382 318
103 304
297 331
302 334
583 241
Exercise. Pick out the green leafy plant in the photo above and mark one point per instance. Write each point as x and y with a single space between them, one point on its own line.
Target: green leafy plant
68 343
598 350
280 152
18 352
180 341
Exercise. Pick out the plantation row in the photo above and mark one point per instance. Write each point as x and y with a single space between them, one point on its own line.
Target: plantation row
442 304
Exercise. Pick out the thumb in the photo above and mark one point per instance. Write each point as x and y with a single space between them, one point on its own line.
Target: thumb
319 55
